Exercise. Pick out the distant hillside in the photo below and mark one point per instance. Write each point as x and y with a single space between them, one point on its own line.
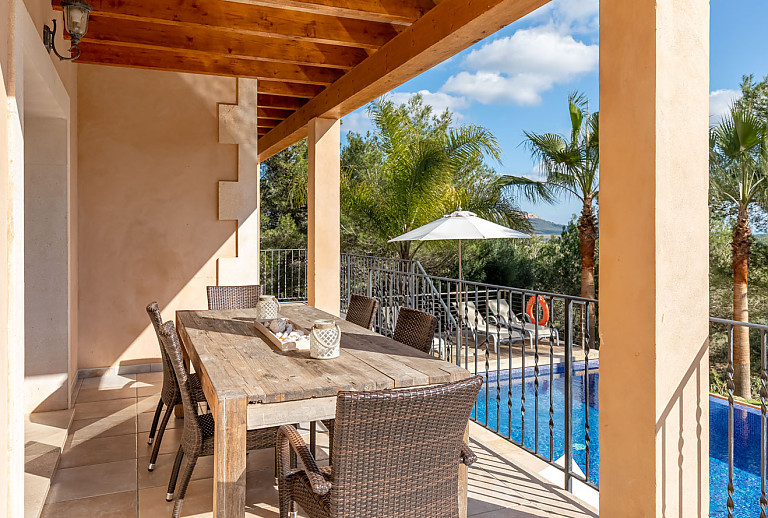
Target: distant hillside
542 227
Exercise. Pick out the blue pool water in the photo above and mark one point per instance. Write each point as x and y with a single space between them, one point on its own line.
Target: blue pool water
587 456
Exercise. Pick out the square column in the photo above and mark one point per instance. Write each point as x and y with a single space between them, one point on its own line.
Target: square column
654 258
324 215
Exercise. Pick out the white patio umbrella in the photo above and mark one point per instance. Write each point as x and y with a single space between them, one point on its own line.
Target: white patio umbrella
460 225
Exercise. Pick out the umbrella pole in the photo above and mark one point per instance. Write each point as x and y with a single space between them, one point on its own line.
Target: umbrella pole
461 308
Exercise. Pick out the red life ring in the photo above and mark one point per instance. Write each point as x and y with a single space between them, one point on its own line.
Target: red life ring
544 310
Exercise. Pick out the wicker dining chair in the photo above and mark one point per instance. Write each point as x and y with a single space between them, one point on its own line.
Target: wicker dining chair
169 395
415 328
234 297
361 310
198 435
396 453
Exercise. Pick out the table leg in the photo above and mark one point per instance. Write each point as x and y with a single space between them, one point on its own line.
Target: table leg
178 411
229 456
463 482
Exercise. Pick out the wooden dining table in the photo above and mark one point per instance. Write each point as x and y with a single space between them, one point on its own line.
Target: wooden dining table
251 384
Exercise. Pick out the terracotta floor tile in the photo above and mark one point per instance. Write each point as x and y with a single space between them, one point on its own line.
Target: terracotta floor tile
106 408
162 472
169 444
109 381
98 451
145 421
118 505
103 394
95 427
35 490
153 378
147 403
198 501
94 480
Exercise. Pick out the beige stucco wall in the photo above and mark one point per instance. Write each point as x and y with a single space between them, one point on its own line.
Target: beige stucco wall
40 13
149 166
46 263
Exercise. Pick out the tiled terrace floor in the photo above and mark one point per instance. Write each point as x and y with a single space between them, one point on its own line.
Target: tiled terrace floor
103 468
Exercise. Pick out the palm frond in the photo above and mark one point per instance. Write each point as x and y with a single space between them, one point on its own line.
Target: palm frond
531 190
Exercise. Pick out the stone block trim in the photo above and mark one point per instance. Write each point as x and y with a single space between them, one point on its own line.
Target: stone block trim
239 201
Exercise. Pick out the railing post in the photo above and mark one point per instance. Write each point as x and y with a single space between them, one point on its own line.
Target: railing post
370 282
568 458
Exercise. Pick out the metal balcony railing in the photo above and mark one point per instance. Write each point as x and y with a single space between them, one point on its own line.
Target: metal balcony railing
533 373
739 450
284 273
541 374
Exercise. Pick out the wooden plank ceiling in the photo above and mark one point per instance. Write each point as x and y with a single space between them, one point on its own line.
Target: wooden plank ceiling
313 58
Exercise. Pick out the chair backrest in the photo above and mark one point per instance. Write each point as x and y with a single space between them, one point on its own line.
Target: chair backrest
234 297
500 309
193 434
396 452
415 328
361 310
472 317
170 392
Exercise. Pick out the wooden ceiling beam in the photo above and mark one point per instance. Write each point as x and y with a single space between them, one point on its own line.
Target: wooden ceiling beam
289 89
446 30
97 53
267 123
393 11
251 19
273 101
212 40
272 113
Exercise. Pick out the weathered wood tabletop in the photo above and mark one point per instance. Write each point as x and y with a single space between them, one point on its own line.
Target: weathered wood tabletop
250 384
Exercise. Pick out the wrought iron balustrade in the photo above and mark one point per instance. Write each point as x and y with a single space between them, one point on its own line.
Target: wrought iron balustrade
284 273
541 380
759 334
485 329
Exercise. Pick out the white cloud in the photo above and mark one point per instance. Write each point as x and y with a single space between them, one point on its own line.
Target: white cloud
518 68
439 101
356 122
720 101
571 16
577 15
537 173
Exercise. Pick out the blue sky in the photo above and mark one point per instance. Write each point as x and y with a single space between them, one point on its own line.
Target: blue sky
519 78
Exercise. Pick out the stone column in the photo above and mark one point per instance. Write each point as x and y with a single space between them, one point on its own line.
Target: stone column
654 117
323 221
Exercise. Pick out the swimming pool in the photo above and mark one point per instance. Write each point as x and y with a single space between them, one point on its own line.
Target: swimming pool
587 456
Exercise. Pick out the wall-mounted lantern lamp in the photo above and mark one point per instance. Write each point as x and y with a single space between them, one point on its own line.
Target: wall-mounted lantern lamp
76 22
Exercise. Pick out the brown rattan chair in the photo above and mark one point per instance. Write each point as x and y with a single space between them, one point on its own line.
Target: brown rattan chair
415 328
197 439
234 297
396 453
361 310
169 395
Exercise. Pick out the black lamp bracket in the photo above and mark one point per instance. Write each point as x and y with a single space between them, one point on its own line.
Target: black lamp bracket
48 40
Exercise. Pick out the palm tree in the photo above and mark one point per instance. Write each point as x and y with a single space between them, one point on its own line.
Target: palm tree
425 168
571 164
738 179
